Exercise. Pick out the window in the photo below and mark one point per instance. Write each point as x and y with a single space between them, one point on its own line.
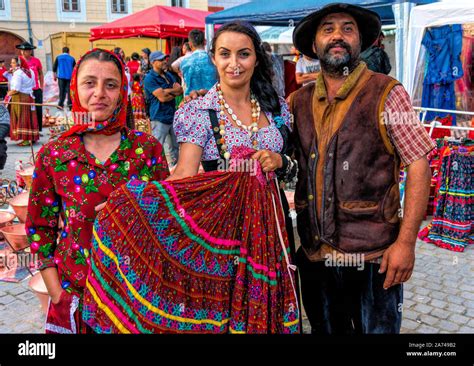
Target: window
2 4
71 5
178 3
119 6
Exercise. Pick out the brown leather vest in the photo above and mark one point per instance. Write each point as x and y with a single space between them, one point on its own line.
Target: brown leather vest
360 200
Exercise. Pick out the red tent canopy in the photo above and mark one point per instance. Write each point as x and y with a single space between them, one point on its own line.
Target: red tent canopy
157 22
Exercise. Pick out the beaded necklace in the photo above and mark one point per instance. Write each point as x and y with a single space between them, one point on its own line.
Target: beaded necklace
252 129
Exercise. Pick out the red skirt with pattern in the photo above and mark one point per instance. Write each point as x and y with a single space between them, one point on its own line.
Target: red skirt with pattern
206 254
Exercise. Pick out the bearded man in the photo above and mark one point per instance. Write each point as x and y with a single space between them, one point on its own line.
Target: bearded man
352 130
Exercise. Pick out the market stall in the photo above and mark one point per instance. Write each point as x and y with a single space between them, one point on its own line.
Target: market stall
439 77
164 22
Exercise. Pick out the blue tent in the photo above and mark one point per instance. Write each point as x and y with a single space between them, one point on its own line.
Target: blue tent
289 12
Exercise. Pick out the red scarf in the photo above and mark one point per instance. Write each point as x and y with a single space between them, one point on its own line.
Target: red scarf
24 66
116 121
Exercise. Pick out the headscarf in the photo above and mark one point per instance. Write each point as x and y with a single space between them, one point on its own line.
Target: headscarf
115 122
24 66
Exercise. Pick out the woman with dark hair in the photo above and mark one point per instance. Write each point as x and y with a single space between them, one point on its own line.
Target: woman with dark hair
244 86
76 173
217 252
134 64
174 55
145 66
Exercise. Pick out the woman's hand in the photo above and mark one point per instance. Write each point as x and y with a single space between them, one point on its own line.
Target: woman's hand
269 160
194 94
188 162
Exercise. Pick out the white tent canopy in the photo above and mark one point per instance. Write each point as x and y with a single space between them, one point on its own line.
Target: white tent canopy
431 15
270 34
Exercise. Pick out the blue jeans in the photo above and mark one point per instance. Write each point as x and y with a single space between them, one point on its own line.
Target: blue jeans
347 300
161 131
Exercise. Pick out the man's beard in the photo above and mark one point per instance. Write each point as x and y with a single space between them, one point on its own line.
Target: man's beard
338 66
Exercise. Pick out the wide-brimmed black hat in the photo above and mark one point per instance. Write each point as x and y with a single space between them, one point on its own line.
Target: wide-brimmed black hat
25 46
368 22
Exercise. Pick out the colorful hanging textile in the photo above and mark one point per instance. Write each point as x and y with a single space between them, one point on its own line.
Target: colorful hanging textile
206 254
443 47
452 226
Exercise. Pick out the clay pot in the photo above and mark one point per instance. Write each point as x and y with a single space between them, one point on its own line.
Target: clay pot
39 288
15 235
20 205
6 219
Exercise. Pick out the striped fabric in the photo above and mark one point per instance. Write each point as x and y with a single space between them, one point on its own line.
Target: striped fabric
23 121
199 255
453 220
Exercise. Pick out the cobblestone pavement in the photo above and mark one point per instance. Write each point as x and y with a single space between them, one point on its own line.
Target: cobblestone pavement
439 298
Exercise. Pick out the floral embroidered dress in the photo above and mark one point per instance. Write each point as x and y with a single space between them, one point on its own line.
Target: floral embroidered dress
138 101
68 183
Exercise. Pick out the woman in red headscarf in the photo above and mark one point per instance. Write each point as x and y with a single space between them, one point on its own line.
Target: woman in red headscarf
23 120
76 173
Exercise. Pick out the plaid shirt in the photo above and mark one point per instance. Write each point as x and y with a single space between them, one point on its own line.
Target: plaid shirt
404 128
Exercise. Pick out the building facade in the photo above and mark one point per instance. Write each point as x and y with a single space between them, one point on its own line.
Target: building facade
218 5
37 20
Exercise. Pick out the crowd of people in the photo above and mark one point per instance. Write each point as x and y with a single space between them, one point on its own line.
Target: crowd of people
215 252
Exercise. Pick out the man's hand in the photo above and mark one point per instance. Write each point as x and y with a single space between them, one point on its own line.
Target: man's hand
399 259
398 262
269 160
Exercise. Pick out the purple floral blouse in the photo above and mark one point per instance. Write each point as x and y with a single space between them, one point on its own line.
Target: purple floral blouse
192 124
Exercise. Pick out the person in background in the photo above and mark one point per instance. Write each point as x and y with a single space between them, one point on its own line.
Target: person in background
26 50
176 65
24 123
3 80
4 131
62 68
145 65
134 64
296 53
161 89
198 70
376 58
137 100
307 70
174 56
278 66
120 52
